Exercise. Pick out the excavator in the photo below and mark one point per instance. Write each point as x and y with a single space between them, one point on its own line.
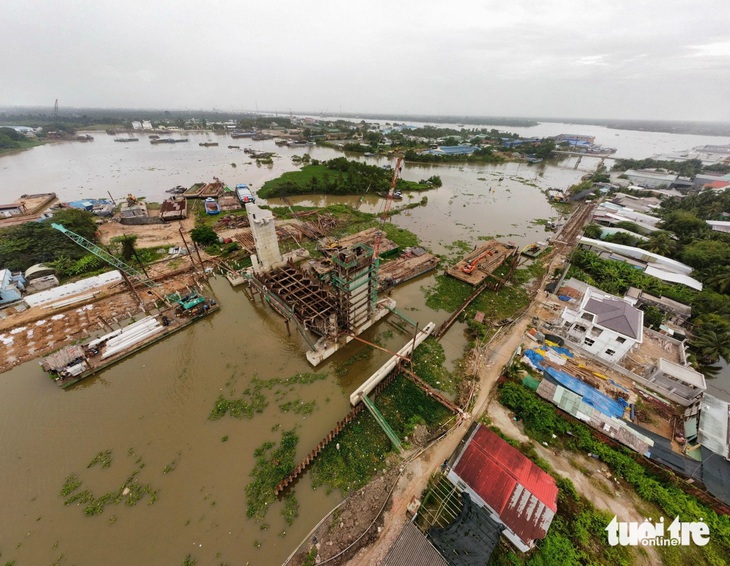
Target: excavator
471 265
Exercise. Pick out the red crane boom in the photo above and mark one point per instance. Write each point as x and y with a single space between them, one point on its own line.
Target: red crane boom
388 202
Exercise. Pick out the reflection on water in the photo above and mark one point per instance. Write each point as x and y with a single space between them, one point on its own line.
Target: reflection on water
156 403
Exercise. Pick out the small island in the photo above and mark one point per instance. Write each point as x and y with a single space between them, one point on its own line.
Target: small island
340 176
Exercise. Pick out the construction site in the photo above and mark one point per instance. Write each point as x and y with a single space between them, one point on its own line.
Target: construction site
482 262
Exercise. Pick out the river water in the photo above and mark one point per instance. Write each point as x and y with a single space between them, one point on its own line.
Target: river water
152 409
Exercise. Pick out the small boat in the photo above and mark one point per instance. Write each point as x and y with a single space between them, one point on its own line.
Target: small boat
534 159
126 139
85 138
154 137
178 190
397 195
211 206
234 147
238 134
208 144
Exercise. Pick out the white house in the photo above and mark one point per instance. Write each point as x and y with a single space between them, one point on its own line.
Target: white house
604 325
10 286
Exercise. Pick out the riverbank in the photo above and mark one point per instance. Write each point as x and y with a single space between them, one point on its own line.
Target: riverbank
24 146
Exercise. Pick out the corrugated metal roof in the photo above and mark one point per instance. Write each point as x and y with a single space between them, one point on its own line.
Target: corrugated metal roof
471 538
690 282
412 548
713 429
523 495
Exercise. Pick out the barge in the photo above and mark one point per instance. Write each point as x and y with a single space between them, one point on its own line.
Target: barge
71 364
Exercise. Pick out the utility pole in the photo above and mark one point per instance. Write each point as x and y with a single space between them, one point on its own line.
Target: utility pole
182 235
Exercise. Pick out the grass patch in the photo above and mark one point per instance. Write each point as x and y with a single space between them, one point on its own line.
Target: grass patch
103 458
272 465
298 407
253 400
447 293
364 447
291 508
130 492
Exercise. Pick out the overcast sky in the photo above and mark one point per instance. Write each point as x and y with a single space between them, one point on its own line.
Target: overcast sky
667 59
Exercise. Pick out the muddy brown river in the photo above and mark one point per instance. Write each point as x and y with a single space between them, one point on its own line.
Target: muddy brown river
151 410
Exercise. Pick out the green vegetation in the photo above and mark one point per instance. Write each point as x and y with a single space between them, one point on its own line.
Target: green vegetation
272 466
362 448
12 140
291 508
131 491
338 176
298 407
541 421
204 235
26 244
449 294
480 155
103 458
250 403
688 168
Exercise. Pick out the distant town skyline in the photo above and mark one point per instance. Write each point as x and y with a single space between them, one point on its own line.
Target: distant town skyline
653 60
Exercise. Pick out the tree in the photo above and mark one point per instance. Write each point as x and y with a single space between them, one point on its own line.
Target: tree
38 242
661 243
721 280
127 242
706 253
204 235
712 339
653 317
593 231
686 225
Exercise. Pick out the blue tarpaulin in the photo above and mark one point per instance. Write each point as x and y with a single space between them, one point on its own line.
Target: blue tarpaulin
534 357
561 350
590 395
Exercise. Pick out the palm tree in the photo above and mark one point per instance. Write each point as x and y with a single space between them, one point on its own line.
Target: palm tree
660 242
721 280
711 344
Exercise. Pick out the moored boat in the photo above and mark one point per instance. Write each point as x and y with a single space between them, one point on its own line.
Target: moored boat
211 206
73 363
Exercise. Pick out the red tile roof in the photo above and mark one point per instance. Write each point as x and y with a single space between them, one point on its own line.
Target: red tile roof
524 496
717 185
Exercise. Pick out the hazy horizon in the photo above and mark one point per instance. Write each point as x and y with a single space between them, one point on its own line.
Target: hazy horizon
654 60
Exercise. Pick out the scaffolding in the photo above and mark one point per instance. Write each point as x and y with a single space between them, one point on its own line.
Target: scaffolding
355 282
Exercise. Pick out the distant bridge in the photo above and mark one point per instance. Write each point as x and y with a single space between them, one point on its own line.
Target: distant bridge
580 156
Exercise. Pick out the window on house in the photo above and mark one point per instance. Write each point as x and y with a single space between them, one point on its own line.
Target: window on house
610 352
596 331
579 328
620 339
589 342
587 316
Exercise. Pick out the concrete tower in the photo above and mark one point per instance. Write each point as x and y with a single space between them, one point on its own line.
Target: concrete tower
264 235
